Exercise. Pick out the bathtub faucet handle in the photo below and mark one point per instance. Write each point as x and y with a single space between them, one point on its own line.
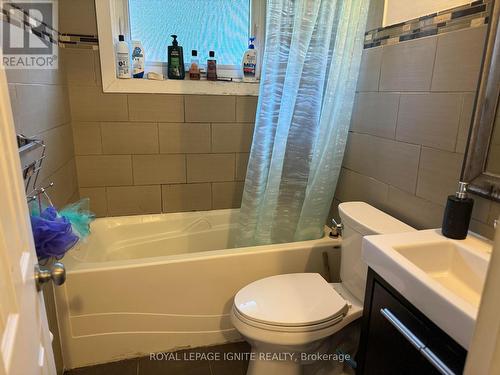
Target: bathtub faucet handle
336 228
57 273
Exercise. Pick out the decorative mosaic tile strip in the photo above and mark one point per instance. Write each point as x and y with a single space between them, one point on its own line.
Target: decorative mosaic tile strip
79 41
461 17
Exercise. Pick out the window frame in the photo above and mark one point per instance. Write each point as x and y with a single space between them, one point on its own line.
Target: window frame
110 11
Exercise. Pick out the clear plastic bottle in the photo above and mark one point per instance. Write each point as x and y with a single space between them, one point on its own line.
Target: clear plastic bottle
122 58
211 67
249 63
194 69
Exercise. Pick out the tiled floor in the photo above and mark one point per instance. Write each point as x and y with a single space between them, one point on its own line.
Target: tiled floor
213 360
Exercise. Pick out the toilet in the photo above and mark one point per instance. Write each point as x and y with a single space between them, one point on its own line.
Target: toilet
287 318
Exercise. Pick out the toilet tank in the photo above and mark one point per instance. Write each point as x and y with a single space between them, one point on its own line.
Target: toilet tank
360 219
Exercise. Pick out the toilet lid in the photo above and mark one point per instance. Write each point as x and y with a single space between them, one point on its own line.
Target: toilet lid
297 299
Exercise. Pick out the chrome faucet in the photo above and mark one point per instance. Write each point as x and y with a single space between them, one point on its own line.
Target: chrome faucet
336 229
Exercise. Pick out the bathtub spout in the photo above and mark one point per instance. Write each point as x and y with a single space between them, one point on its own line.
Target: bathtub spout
336 229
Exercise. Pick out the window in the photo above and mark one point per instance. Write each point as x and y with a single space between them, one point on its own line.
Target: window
203 25
223 26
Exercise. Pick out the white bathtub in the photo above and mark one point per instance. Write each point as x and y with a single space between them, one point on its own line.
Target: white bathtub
151 283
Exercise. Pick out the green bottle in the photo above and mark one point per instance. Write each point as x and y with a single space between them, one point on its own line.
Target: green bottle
176 68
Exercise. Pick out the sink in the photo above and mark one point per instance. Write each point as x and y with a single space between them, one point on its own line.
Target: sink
441 277
456 268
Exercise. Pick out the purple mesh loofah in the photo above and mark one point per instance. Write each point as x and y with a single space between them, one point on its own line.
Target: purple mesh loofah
52 233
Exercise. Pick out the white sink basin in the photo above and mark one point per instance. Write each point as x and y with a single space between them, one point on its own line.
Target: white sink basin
443 278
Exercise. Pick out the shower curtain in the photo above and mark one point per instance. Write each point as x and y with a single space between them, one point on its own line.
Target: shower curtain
309 73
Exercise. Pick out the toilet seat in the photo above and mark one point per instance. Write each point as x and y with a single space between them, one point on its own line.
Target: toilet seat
265 334
281 328
300 302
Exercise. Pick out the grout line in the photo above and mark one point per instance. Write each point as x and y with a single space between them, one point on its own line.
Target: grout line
235 168
161 198
397 117
211 196
434 63
106 201
184 108
415 92
460 114
418 171
132 169
404 142
380 70
128 107
186 168
60 167
100 136
235 109
158 135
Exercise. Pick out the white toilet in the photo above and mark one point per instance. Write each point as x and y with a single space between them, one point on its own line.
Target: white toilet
286 317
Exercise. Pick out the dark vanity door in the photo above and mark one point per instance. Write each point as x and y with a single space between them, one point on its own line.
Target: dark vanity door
398 339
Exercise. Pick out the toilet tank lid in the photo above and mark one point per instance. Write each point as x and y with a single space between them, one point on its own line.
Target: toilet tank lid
366 219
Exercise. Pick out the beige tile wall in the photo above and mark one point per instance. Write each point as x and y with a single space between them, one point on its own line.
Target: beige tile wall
409 128
148 153
41 109
406 145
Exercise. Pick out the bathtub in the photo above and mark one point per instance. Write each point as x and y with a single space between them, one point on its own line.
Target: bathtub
150 283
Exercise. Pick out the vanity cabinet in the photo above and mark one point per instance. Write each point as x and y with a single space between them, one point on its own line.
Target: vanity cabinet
397 338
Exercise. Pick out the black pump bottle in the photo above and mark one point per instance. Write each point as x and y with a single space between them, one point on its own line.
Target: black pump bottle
176 68
457 214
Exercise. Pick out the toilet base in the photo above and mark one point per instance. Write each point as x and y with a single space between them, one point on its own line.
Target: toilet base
285 360
258 366
340 337
302 359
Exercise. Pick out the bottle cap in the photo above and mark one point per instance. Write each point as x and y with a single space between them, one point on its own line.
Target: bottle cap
211 54
462 190
121 38
251 46
194 53
174 43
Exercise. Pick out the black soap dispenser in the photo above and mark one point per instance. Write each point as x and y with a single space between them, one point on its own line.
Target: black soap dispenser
457 214
176 68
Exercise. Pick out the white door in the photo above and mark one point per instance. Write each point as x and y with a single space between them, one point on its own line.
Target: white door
25 342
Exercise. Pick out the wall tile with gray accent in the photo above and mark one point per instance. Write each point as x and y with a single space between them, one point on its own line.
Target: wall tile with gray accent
462 17
409 126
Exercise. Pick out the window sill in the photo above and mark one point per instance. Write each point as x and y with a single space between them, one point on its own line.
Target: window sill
182 87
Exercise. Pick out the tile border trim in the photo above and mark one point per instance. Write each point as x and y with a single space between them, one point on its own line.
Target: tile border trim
462 17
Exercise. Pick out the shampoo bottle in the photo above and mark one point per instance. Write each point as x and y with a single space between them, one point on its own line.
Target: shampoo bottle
194 69
250 63
457 214
122 58
211 67
176 68
138 59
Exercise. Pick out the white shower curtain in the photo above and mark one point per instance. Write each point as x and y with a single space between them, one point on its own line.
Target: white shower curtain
310 68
